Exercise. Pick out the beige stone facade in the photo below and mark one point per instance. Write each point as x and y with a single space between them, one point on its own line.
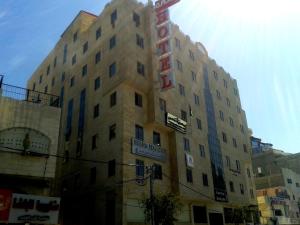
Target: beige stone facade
121 58
31 171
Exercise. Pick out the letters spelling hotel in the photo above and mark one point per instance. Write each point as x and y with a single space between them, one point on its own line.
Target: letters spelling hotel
129 79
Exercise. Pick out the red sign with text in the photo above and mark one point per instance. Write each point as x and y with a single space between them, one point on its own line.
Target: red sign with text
5 202
163 28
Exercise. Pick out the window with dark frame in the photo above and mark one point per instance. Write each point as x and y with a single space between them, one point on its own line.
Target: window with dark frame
177 43
242 189
98 33
199 124
113 18
140 168
138 99
112 69
97 57
224 137
194 77
234 143
139 132
72 81
202 151
74 59
192 56
162 105
94 141
238 165
111 168
139 41
96 111
231 186
245 148
157 171
179 65
112 132
196 99
189 175
48 70
75 35
156 138
84 70
140 68
136 19
97 83
112 42
205 180
221 115
113 99
186 144
228 164
218 94
181 90
85 47
183 115
200 214
231 122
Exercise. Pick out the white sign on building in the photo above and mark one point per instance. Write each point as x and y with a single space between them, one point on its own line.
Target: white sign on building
34 209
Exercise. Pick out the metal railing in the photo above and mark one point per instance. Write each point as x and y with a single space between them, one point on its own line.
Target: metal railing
23 94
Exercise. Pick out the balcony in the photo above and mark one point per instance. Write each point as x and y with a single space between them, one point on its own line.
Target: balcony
23 94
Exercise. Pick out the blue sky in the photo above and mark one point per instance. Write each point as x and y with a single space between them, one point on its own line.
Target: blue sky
256 41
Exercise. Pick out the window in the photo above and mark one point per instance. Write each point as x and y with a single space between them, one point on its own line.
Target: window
192 57
112 42
228 164
238 109
221 115
65 53
98 33
224 137
199 124
75 35
72 81
186 144
140 168
63 76
245 148
289 180
69 119
242 189
252 193
200 214
196 99
97 83
85 47
97 57
113 18
248 172
113 99
94 141
189 175
112 69
181 89
205 180
112 132
225 83
179 65
242 128
215 75
140 68
96 111
74 59
235 91
48 69
157 172
231 185
238 165
234 142
202 151
136 19
218 94
55 61
297 185
183 115
194 78
156 138
53 81
231 122
33 86
41 79
162 105
84 70
139 41
93 175
138 100
111 168
139 132
46 89
177 43
228 102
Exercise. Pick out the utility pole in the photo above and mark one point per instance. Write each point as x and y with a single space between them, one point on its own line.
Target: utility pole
150 170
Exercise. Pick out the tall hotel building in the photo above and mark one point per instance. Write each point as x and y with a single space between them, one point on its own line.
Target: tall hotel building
117 120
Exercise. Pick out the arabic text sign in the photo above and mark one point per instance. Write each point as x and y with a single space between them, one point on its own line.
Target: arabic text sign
5 201
34 209
176 123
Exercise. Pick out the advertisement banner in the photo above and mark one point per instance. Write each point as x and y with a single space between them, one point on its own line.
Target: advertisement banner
34 209
5 202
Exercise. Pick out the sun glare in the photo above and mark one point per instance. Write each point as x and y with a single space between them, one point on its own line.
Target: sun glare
252 10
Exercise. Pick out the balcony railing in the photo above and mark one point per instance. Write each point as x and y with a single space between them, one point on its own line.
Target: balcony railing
23 94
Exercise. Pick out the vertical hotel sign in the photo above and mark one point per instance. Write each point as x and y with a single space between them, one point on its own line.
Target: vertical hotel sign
163 27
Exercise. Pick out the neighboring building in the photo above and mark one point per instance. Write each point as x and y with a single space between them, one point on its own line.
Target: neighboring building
278 187
258 146
29 130
104 68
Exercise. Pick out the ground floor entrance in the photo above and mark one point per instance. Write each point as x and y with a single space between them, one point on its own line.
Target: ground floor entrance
216 219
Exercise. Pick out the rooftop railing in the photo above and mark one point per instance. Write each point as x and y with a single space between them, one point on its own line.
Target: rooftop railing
23 94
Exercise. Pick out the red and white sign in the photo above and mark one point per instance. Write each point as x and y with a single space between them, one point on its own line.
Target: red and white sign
34 209
5 202
163 28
